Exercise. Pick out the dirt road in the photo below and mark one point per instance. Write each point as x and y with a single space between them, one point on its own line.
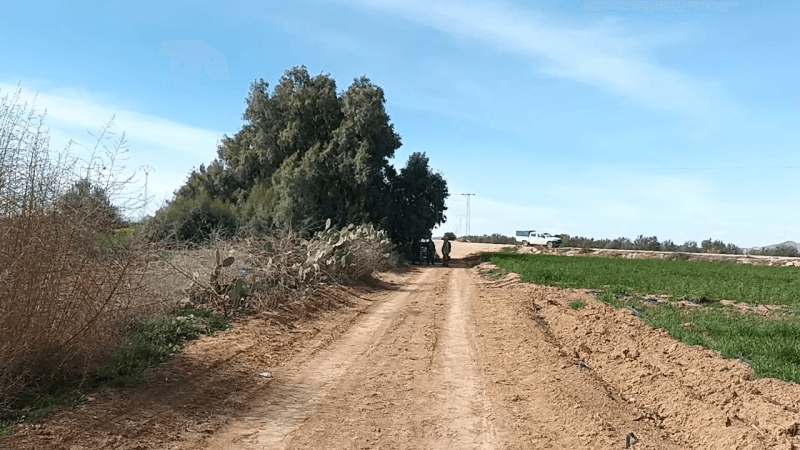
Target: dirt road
451 361
442 358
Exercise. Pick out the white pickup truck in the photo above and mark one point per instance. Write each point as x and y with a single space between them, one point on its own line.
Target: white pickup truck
531 237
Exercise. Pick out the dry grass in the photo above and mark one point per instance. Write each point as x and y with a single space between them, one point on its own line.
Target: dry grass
61 299
275 270
62 294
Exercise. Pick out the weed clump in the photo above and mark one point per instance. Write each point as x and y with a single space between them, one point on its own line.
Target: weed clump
577 304
154 341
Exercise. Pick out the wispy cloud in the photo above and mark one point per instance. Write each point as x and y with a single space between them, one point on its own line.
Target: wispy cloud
69 109
595 56
169 147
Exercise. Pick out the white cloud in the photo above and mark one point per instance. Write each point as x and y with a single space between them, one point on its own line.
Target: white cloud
596 57
71 110
169 147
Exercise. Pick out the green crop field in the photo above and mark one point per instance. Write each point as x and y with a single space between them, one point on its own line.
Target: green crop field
770 345
697 281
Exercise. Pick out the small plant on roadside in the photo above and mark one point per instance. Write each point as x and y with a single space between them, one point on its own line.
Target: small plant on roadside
577 304
610 299
36 407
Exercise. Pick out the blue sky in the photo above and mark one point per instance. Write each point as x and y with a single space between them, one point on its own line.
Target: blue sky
602 119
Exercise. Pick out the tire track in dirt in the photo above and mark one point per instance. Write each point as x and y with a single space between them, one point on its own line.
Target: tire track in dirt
466 411
297 391
419 389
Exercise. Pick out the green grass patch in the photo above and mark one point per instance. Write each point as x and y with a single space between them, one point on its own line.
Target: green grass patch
152 342
771 345
577 304
155 341
33 408
117 238
699 281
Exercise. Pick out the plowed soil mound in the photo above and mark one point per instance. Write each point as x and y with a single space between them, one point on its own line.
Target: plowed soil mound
625 375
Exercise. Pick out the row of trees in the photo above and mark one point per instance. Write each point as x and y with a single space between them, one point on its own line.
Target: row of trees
307 153
646 243
652 243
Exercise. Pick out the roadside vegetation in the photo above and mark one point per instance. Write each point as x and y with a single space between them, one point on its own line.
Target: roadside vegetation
302 195
770 345
152 341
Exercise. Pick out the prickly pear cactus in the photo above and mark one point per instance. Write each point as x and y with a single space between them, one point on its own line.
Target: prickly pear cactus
349 250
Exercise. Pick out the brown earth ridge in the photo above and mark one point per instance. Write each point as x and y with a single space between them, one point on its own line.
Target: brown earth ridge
437 358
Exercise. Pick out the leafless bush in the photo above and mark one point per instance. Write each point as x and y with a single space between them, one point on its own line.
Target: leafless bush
61 292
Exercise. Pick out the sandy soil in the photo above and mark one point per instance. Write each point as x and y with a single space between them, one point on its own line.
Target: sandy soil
440 358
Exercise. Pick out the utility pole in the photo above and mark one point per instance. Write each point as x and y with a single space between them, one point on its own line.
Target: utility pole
467 195
147 169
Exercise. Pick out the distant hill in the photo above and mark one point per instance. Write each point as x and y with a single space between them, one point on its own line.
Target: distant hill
773 246
787 243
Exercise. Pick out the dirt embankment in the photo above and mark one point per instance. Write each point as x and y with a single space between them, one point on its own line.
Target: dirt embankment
623 374
440 358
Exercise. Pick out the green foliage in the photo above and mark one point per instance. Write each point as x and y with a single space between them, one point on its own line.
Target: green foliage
155 341
651 243
610 299
117 238
780 250
307 153
692 280
646 243
450 236
92 201
334 250
152 342
196 219
577 304
34 408
259 207
717 246
496 238
418 196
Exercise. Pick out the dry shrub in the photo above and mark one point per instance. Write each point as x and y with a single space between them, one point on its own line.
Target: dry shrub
62 293
268 272
61 297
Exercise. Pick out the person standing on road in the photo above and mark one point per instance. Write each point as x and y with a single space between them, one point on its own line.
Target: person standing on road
446 251
431 251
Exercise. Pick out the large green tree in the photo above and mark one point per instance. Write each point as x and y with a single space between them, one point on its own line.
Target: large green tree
418 196
307 153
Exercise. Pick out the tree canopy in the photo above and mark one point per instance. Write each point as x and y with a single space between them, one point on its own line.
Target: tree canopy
307 153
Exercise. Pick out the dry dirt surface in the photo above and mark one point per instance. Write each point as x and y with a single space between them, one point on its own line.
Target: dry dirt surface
440 358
